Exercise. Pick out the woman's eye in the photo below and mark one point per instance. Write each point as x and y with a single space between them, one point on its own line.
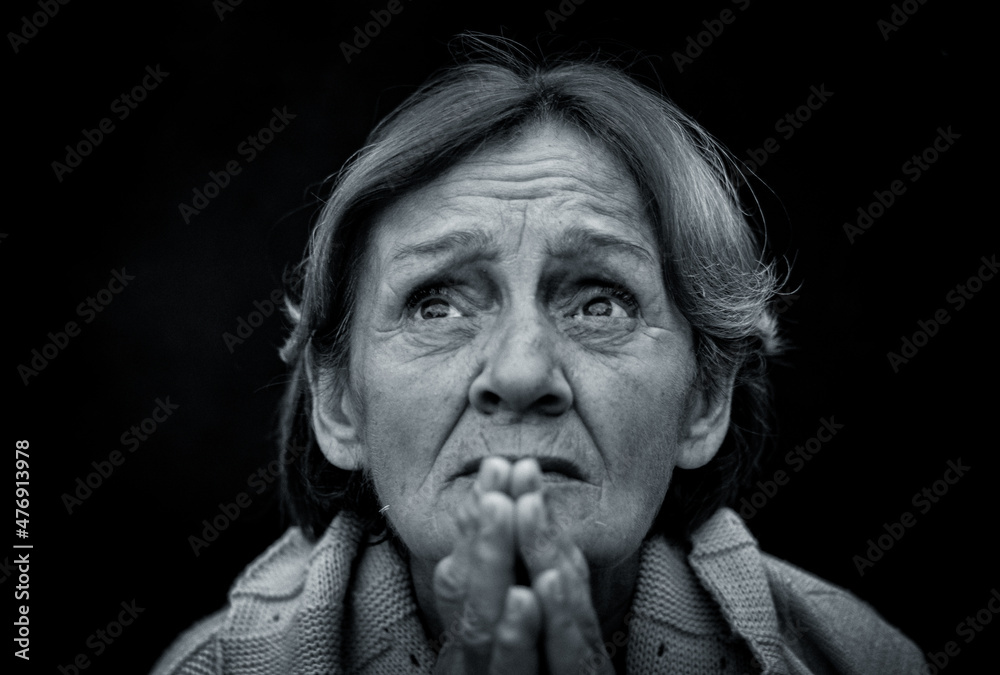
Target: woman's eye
612 304
603 307
431 303
436 308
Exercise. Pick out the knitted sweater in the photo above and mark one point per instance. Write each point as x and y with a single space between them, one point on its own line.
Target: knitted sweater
338 606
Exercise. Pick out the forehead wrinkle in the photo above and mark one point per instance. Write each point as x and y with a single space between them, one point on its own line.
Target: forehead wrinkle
544 185
622 210
552 182
603 175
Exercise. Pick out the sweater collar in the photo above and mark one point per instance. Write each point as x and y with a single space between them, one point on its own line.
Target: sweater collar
315 607
727 561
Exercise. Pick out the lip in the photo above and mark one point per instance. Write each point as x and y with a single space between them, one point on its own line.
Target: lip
554 469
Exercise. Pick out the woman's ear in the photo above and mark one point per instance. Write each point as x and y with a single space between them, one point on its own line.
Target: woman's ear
335 423
706 425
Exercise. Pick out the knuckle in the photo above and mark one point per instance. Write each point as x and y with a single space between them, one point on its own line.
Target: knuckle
449 583
540 552
474 631
510 635
488 554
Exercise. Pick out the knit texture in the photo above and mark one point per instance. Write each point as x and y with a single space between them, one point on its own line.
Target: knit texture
341 606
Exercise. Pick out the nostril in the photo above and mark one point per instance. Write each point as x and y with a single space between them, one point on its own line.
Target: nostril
489 402
550 404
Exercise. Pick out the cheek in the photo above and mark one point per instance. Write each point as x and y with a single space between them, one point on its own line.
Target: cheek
410 408
645 449
636 410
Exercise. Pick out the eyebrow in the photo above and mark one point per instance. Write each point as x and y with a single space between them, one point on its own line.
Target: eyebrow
464 246
581 242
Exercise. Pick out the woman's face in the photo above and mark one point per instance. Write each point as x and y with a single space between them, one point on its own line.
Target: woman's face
516 307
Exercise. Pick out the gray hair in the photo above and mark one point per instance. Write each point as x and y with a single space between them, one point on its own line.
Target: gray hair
713 263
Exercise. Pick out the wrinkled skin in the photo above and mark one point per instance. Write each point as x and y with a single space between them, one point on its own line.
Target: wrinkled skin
515 309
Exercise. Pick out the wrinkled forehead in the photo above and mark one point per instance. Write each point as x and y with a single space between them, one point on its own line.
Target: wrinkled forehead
549 181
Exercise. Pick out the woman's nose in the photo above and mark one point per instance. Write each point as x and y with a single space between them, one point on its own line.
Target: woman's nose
522 374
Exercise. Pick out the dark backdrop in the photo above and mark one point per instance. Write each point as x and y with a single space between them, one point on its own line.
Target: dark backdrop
890 92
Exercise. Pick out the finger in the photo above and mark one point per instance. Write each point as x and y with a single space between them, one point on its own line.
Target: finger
534 537
451 574
451 583
515 646
561 578
542 541
573 641
526 476
494 475
491 573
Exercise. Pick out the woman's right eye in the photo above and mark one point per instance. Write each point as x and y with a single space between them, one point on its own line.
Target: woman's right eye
431 303
436 308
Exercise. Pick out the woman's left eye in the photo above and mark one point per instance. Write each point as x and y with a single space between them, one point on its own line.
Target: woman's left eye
610 303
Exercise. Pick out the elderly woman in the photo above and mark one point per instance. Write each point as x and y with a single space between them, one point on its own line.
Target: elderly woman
528 375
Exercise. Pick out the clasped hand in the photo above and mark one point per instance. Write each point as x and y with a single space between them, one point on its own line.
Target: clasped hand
493 625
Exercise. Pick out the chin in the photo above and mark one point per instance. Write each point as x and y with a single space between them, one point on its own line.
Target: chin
603 536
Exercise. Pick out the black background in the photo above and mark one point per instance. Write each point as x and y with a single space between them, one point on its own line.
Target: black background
162 335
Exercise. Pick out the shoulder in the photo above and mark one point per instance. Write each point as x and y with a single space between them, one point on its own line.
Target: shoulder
787 614
817 616
194 651
278 572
